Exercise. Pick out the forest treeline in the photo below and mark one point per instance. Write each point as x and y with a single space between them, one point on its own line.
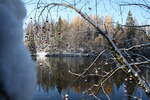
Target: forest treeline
78 36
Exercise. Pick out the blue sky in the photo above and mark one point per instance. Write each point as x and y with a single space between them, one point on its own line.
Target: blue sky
104 8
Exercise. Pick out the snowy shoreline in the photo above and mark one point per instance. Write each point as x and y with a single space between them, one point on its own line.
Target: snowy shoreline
67 54
70 55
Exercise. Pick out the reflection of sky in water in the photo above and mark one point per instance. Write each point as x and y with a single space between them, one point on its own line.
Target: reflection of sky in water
53 94
60 82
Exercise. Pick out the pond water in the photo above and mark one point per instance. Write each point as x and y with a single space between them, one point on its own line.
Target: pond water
55 82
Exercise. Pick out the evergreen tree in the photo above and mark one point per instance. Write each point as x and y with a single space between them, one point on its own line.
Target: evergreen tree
31 41
59 42
59 25
53 30
118 27
130 30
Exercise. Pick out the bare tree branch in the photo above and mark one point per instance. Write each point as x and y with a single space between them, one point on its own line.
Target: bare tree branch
141 63
136 26
136 46
136 4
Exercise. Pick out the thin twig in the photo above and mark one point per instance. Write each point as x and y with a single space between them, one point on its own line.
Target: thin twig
86 70
136 46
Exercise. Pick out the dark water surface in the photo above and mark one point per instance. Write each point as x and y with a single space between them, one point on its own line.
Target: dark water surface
55 81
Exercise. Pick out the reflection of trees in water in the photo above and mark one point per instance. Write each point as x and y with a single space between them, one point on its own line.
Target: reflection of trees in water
130 88
44 73
53 72
118 78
